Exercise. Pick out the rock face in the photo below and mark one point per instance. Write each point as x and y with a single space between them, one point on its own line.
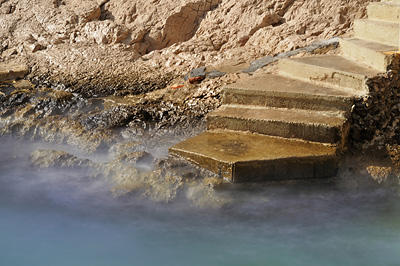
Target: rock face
107 42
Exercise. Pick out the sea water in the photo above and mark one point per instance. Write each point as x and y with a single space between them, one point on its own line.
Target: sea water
63 217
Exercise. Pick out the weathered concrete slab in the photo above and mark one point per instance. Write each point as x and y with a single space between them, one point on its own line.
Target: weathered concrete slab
283 92
245 157
12 72
377 31
329 70
287 123
376 55
386 11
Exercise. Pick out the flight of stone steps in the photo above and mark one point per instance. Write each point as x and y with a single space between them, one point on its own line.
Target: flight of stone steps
295 125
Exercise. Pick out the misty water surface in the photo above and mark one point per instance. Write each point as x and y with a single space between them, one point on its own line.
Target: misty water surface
63 217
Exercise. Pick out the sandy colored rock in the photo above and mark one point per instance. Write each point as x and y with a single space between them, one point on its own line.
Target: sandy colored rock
10 72
99 41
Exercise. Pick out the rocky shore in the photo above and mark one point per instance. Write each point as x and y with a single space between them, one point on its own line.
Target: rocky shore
109 76
138 46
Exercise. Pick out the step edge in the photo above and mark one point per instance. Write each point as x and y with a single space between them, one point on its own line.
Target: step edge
302 141
382 22
332 153
273 92
382 59
383 52
360 76
333 114
284 121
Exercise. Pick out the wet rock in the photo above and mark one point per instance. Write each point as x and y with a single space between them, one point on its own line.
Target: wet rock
54 158
16 98
127 179
22 84
49 102
374 117
6 89
138 158
121 148
379 173
56 113
117 116
204 194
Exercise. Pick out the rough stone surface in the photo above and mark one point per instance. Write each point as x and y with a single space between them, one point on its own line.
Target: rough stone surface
376 115
195 73
53 158
102 72
12 72
116 43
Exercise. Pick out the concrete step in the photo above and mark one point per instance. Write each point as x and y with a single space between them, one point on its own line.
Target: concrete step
12 72
283 92
318 126
377 31
245 157
329 70
376 55
386 11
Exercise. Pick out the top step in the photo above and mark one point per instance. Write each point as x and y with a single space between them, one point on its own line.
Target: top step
386 11
377 31
376 55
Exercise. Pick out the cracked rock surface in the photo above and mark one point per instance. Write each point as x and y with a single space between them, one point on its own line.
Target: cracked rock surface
117 43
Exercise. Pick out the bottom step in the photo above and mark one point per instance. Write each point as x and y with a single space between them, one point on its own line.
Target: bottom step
246 157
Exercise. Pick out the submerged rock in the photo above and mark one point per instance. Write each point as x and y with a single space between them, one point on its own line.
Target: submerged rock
54 158
138 158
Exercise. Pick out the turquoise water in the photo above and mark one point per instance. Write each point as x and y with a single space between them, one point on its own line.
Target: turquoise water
60 217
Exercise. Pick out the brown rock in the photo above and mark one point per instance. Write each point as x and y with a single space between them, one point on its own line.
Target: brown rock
188 34
11 72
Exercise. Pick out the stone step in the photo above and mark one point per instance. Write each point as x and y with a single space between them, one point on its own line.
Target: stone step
329 70
386 11
283 92
245 157
377 31
12 72
318 126
376 55
391 1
